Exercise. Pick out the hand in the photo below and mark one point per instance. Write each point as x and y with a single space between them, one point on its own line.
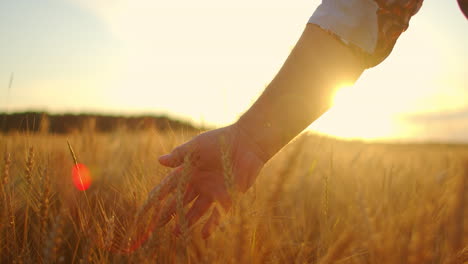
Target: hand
213 165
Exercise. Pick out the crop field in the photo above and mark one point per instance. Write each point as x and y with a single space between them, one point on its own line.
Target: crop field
320 200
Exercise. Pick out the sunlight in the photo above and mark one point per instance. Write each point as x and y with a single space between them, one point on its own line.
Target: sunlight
170 58
356 114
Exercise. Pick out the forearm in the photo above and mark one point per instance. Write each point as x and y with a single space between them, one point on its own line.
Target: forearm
301 91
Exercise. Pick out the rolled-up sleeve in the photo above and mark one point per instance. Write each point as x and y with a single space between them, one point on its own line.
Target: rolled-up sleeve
369 27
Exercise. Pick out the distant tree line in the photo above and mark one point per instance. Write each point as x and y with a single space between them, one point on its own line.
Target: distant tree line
67 123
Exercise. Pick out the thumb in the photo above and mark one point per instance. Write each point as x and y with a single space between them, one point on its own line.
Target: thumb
175 158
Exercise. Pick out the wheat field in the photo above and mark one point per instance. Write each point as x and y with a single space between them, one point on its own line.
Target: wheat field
319 200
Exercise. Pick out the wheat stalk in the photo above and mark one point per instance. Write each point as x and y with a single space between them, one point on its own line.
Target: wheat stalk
29 166
44 207
180 191
6 169
75 160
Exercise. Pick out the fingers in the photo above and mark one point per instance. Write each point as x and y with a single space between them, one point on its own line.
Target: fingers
224 199
199 208
176 157
167 185
168 212
190 194
211 224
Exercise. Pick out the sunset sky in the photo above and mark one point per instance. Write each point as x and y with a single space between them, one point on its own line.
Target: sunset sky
206 61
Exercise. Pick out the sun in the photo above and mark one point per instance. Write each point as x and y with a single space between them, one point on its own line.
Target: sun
359 114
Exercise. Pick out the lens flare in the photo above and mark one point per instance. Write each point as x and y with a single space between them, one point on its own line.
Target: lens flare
81 177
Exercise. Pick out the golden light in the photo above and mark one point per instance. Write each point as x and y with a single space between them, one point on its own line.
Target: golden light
359 114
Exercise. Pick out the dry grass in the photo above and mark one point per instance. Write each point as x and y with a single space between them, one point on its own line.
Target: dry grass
318 201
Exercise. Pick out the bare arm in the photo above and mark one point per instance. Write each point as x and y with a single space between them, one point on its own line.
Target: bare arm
301 91
298 95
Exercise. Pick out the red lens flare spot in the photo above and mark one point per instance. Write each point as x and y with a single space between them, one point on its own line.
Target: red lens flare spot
81 177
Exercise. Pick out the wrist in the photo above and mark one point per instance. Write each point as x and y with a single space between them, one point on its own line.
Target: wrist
253 143
252 134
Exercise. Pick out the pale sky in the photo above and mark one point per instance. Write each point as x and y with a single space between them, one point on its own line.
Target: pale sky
208 60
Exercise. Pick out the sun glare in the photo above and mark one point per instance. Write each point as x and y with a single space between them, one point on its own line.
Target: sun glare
356 114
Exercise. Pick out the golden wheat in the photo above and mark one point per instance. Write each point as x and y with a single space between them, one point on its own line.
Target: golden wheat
319 200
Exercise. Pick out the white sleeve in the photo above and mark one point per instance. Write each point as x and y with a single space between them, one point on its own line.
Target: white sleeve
370 26
354 21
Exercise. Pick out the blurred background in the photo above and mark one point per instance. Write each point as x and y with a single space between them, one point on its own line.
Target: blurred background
207 61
